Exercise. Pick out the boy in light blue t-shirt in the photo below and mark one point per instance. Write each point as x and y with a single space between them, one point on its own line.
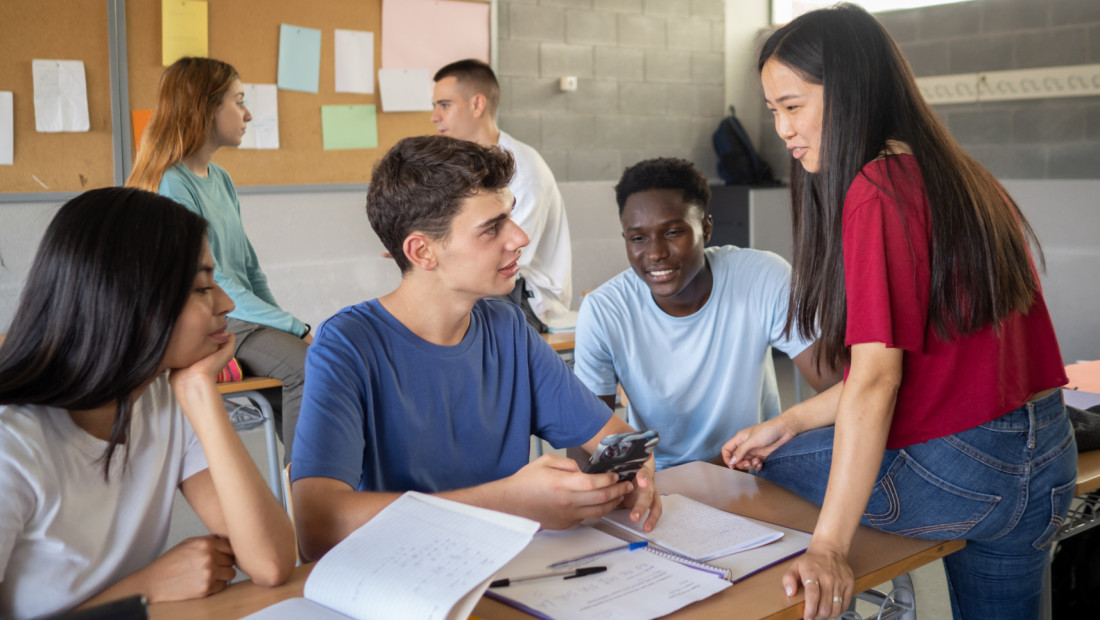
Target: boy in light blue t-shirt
687 330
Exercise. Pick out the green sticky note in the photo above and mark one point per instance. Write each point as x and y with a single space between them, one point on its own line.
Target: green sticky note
349 126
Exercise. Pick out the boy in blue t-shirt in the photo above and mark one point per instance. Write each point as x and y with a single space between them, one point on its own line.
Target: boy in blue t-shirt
687 330
434 387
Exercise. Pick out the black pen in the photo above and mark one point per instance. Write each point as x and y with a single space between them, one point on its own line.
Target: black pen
572 574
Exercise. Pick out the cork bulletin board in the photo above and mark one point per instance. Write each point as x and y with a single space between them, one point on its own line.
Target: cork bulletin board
60 30
127 35
245 33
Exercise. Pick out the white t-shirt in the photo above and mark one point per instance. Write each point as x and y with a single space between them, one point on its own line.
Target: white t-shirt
65 533
696 379
547 261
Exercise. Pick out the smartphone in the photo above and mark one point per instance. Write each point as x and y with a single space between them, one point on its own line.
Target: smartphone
623 454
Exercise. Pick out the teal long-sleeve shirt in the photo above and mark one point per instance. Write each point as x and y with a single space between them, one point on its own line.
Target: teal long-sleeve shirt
236 268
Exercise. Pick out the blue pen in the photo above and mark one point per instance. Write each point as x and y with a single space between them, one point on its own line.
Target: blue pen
588 556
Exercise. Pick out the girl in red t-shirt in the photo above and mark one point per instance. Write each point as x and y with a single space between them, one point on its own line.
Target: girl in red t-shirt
912 263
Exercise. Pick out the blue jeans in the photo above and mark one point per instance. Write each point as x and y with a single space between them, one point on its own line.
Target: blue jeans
1004 486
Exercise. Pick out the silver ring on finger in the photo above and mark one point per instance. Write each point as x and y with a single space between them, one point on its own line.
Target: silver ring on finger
838 600
808 582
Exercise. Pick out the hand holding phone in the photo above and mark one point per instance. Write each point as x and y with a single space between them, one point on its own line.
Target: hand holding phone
624 454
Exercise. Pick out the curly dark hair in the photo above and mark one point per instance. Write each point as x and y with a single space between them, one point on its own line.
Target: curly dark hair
421 183
664 173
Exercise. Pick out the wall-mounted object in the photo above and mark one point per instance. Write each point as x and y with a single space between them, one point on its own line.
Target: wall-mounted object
1042 83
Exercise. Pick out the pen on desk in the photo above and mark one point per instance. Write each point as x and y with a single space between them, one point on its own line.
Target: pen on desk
588 556
572 574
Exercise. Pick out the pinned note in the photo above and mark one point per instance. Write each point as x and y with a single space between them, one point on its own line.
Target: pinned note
432 33
140 122
349 126
60 96
405 90
7 129
183 30
299 58
355 62
262 100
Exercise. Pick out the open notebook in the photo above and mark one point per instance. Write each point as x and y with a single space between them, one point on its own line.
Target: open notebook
698 531
421 557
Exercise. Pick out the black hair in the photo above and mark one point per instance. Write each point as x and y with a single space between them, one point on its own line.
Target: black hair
421 183
111 276
664 173
477 74
981 269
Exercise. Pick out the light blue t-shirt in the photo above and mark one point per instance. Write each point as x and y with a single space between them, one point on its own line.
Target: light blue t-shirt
698 379
236 268
385 410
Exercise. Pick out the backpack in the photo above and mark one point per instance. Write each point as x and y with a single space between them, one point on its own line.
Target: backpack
738 161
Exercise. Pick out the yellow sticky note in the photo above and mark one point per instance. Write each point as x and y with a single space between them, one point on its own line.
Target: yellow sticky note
183 29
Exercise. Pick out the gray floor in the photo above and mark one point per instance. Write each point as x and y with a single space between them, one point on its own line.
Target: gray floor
929 581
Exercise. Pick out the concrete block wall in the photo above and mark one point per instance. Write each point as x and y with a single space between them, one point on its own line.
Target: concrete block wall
1031 139
650 81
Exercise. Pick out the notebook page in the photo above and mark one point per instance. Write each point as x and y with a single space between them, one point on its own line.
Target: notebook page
637 584
295 609
417 559
698 531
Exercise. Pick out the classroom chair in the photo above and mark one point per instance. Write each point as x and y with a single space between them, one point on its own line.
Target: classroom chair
249 388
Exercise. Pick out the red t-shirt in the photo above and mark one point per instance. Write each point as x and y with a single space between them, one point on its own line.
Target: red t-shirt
947 386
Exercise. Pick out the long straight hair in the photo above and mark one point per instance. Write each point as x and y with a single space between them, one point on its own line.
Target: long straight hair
110 278
191 90
981 269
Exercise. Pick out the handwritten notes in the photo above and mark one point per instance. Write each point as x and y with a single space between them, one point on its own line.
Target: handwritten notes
60 96
637 584
262 100
183 30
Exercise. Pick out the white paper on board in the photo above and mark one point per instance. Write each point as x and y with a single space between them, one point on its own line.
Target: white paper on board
355 62
405 90
262 100
7 129
60 96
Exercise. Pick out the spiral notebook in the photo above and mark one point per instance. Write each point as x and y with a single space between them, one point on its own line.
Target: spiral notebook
732 566
698 531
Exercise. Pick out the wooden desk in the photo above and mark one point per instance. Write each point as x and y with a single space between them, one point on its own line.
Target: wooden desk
560 342
876 557
249 383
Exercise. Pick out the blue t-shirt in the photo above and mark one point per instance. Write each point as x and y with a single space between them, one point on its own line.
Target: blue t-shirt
385 410
696 379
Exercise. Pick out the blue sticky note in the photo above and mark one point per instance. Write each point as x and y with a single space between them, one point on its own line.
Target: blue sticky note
299 58
349 126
